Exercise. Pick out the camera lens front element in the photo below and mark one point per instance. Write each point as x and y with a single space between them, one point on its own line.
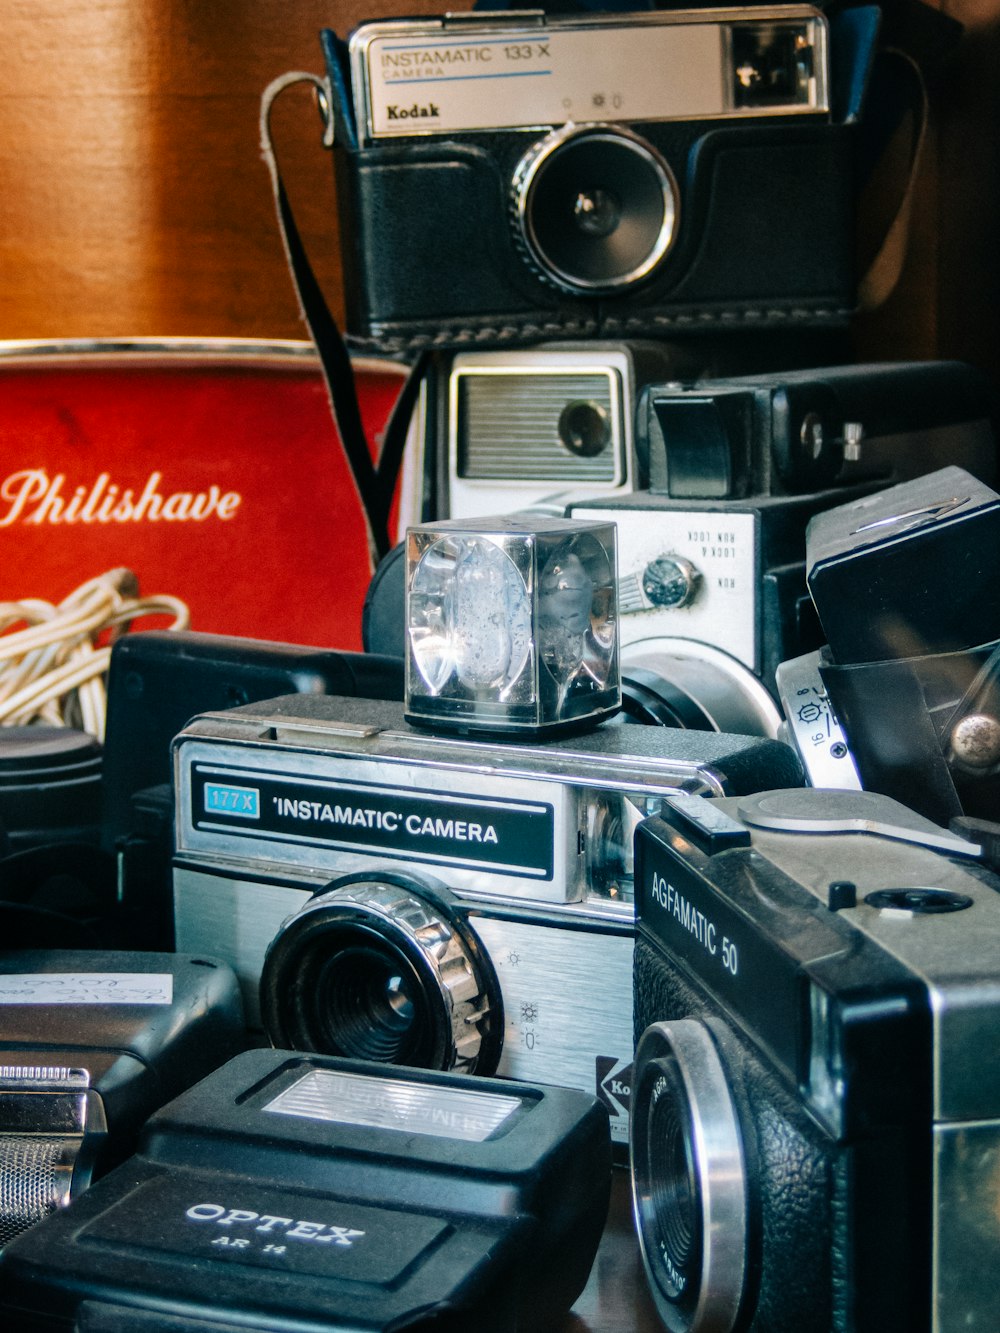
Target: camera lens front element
584 428
597 212
688 1179
596 208
371 970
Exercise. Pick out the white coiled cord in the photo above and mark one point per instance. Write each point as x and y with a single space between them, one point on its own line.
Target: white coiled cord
54 670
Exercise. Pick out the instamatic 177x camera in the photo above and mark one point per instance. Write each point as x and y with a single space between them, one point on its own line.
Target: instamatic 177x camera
816 1106
522 177
431 901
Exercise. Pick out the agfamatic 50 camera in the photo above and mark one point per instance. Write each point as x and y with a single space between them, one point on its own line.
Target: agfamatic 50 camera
425 900
815 1112
514 178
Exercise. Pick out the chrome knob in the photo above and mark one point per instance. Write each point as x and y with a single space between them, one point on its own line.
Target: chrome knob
671 581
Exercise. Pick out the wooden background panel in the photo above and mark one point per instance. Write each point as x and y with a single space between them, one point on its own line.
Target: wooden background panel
947 302
133 200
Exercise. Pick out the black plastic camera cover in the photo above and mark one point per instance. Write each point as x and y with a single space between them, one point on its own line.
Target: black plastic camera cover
909 571
905 585
159 679
287 1192
128 1031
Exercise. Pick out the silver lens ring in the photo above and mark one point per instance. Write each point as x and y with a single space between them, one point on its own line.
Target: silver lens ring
722 687
371 969
595 206
688 1179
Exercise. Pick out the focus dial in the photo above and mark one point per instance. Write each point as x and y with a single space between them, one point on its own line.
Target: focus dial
671 581
373 970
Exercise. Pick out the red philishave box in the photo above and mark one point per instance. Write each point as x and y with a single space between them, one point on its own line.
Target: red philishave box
211 469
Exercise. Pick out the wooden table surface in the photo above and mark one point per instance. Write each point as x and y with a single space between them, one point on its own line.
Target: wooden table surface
616 1298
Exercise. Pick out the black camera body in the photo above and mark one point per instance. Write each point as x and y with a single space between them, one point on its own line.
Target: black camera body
289 1192
93 1041
713 594
905 699
811 1112
506 179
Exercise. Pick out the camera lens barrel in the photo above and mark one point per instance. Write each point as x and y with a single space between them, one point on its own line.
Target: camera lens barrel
595 206
688 1179
371 969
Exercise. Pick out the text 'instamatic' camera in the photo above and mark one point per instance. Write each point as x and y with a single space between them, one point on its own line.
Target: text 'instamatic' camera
522 177
815 1109
412 898
293 1192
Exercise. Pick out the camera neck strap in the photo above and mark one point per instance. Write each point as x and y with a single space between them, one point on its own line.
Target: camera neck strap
893 140
375 481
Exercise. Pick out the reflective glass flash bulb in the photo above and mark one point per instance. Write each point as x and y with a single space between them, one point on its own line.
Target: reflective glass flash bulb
511 624
565 596
472 616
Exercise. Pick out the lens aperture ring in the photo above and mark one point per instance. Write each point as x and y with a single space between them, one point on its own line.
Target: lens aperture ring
367 931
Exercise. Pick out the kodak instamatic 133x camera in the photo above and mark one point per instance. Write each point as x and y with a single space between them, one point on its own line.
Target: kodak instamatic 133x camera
427 900
520 177
289 1192
816 1102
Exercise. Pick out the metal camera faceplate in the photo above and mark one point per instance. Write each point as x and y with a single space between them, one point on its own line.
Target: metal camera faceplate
326 785
305 798
472 72
698 601
715 549
796 910
308 746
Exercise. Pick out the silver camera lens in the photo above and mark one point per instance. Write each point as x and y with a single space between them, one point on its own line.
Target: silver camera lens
596 207
688 1179
584 428
371 969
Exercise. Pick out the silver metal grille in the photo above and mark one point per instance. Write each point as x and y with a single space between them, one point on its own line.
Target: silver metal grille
32 1181
509 427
